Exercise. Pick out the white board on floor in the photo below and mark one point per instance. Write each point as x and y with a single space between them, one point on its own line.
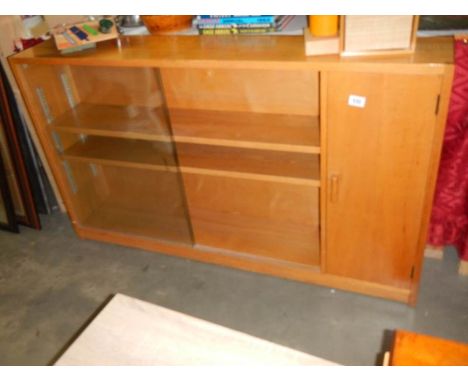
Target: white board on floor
133 332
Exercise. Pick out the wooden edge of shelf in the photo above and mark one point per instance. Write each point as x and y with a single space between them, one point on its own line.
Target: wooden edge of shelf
253 257
112 134
249 144
158 63
192 140
193 170
118 163
304 273
251 176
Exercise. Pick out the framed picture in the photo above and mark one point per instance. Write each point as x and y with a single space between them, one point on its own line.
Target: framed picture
7 211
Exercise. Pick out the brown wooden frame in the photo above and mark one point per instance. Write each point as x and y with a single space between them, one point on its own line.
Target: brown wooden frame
11 223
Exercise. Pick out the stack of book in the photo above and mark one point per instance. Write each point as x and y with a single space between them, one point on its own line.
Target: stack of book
220 25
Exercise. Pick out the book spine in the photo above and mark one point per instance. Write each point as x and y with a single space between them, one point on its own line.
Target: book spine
248 20
211 32
256 30
207 17
226 31
239 26
238 20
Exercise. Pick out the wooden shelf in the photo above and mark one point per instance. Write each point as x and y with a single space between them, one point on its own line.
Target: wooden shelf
124 152
297 168
134 122
276 132
284 167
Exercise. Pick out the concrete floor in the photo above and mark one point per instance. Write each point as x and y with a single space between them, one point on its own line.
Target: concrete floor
51 283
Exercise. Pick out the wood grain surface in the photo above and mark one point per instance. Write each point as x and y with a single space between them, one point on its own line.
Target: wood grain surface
263 131
378 166
255 217
258 91
259 52
413 349
118 121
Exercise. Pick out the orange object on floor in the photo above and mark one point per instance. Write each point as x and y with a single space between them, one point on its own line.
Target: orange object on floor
413 349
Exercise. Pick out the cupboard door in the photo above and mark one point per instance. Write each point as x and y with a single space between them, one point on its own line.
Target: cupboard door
378 157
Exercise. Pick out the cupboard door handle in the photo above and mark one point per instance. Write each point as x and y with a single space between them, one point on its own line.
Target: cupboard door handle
334 187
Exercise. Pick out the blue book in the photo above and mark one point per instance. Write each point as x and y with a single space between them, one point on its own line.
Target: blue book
212 16
236 20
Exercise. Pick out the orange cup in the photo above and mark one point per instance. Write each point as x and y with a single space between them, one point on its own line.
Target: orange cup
323 25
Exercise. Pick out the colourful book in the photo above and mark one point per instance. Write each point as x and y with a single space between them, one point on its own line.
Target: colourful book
239 26
224 16
212 16
237 20
227 31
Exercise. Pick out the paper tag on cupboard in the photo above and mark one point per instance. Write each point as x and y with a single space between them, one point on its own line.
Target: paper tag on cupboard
356 101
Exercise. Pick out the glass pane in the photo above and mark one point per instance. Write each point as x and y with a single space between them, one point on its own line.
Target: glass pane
139 201
248 143
111 132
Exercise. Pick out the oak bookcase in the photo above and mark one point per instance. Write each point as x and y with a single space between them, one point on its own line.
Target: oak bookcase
241 151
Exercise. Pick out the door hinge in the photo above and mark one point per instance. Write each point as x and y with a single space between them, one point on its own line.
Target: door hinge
412 272
437 105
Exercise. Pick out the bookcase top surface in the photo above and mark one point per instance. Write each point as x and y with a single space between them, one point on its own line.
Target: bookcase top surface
231 51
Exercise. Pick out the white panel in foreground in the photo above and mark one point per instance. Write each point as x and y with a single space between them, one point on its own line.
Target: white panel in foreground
133 332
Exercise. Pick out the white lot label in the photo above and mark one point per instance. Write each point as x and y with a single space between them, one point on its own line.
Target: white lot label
356 101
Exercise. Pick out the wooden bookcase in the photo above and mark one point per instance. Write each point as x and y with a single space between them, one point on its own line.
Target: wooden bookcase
241 151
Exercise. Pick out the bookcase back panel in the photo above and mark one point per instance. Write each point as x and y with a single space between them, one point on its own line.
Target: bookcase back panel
118 86
262 91
280 132
294 166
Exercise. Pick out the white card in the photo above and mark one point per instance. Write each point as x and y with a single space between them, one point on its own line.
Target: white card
356 101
